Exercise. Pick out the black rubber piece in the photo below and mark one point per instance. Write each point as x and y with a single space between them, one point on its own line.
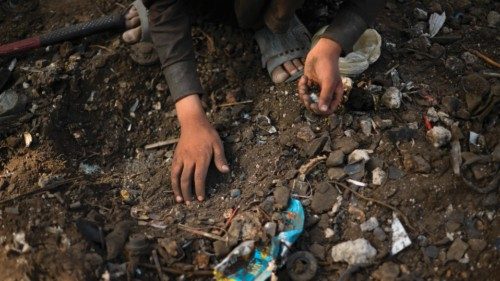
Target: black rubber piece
111 22
301 266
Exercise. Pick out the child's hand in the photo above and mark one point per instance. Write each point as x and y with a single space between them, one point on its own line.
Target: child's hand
198 143
322 69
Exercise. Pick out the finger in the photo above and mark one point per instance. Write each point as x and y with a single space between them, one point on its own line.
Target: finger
186 182
315 108
325 96
289 67
200 174
304 91
175 180
220 159
339 94
298 64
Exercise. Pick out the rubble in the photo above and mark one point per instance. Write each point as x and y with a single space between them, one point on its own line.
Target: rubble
324 197
439 136
358 251
400 239
378 176
392 98
369 225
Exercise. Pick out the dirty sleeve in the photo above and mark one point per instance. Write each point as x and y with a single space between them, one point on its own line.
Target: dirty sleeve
171 34
352 20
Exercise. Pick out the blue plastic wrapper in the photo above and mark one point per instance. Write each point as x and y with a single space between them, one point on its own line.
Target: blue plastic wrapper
247 263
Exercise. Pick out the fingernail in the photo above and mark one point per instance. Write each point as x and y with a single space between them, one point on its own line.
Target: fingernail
324 108
178 198
225 168
200 198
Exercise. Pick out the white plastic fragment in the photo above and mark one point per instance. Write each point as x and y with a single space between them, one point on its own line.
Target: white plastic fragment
400 238
354 252
473 137
359 155
28 139
436 22
355 182
369 225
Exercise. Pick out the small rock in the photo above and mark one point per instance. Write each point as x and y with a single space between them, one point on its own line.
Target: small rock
436 50
454 64
315 146
469 58
357 168
305 133
378 176
369 225
336 173
419 14
115 240
379 233
432 114
431 252
318 251
221 248
392 98
439 136
235 193
386 272
270 228
417 164
456 250
394 173
329 233
335 158
358 155
477 244
476 87
281 196
354 252
345 144
324 197
366 126
493 19
383 123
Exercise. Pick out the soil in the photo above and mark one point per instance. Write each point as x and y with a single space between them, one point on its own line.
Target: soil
90 107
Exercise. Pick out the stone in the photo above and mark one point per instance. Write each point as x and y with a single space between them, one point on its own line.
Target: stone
305 133
476 87
392 98
369 225
366 126
419 164
358 155
221 248
281 196
419 14
454 64
235 193
345 144
336 173
357 168
439 136
394 173
378 176
477 244
315 146
336 158
318 251
354 252
493 19
379 233
386 272
324 197
456 250
431 252
469 58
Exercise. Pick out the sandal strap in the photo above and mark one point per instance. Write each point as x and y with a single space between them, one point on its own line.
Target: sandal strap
144 18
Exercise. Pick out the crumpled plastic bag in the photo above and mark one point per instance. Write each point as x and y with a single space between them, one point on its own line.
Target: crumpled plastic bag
365 52
248 262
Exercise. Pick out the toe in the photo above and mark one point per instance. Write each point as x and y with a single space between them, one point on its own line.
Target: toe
279 75
132 22
290 67
298 64
132 35
132 13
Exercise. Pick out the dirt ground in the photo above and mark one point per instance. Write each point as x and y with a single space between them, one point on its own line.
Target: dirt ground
92 111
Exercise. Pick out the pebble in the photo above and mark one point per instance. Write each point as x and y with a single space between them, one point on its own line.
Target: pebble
354 252
281 196
324 197
439 136
469 58
336 158
386 272
221 248
336 173
454 64
318 251
235 193
493 19
315 146
456 250
358 155
477 244
305 133
383 123
369 225
378 176
329 233
379 233
431 251
475 87
420 14
432 114
417 164
392 98
345 144
394 173
366 126
270 228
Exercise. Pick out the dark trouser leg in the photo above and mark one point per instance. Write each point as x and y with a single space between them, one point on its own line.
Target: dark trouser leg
277 13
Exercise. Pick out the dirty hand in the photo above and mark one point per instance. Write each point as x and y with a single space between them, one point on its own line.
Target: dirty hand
322 69
199 142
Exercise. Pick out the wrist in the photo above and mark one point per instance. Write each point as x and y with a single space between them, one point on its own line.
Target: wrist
190 111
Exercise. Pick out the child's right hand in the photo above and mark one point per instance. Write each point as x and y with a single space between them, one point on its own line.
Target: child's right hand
198 144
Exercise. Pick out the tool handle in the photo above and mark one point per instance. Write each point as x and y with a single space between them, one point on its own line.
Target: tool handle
116 21
20 46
